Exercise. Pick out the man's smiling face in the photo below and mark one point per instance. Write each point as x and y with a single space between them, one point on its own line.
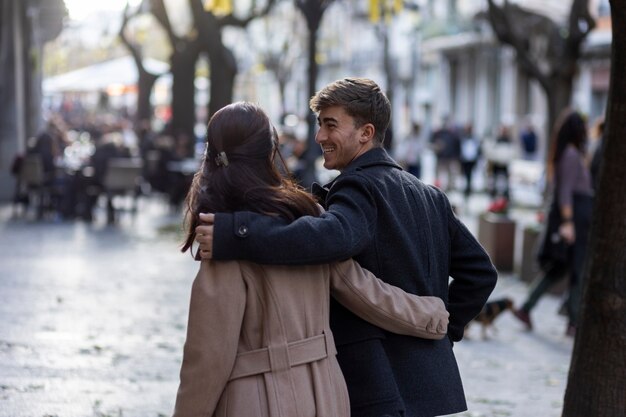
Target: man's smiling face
340 139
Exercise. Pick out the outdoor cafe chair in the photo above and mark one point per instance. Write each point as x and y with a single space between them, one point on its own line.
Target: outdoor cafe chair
122 178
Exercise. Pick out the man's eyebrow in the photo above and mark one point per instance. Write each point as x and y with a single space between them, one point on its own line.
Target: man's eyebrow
327 119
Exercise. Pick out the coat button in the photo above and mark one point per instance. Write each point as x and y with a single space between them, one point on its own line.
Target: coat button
242 231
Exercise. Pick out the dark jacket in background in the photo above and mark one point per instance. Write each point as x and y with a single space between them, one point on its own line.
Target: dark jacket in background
404 232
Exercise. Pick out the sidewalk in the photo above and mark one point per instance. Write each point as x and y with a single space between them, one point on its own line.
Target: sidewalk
92 323
514 373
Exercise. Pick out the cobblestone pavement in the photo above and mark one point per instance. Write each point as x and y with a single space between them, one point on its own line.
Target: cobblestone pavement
92 323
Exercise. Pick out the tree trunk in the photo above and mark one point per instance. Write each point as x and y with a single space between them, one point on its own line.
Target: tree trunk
559 95
222 62
282 85
183 68
388 63
145 79
514 26
144 91
312 150
597 376
223 72
313 11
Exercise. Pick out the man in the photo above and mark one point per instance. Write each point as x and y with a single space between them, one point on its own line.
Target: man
394 225
446 144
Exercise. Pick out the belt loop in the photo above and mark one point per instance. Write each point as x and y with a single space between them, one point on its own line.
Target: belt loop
279 357
330 343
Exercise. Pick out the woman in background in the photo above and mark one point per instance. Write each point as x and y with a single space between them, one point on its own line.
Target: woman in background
564 244
258 340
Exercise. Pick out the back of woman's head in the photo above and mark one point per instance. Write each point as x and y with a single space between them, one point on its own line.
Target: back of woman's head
570 129
240 143
238 171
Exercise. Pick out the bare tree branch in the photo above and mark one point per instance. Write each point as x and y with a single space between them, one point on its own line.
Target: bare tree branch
134 51
580 22
505 30
159 11
198 13
232 20
313 10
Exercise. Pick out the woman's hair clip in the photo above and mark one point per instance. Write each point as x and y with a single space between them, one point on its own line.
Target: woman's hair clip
221 159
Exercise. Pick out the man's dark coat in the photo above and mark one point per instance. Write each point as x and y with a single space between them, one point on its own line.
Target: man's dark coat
406 233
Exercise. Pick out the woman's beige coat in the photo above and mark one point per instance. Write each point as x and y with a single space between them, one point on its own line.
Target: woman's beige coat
258 339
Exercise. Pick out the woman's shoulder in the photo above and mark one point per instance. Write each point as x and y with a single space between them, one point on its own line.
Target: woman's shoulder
571 151
571 156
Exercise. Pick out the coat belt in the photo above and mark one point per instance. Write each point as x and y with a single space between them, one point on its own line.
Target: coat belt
280 358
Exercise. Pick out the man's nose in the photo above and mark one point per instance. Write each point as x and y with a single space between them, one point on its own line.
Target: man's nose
319 136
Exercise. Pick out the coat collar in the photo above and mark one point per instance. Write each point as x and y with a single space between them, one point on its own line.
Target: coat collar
373 157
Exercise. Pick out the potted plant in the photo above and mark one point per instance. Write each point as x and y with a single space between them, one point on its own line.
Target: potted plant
496 232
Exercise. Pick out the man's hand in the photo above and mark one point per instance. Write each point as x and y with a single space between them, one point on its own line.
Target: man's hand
204 235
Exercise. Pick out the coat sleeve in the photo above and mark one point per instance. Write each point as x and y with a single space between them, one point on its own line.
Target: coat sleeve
473 277
336 235
216 310
567 167
385 305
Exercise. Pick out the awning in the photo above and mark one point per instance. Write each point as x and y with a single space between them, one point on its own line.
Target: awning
120 72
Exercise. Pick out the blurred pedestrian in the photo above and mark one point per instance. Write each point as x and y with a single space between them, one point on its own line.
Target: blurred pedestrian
445 143
258 338
499 154
528 140
470 152
391 222
409 151
564 241
293 149
49 145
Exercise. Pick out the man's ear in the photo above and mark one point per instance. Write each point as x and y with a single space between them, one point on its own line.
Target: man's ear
367 133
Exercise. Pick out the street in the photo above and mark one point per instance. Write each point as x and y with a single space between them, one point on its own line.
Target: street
93 322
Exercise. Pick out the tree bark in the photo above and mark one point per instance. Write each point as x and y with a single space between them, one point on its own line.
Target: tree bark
183 67
559 96
223 73
597 376
145 83
312 150
183 59
222 62
313 12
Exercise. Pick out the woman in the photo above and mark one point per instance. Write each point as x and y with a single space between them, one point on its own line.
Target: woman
470 152
258 340
564 243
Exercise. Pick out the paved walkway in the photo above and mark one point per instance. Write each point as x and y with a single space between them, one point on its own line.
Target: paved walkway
92 323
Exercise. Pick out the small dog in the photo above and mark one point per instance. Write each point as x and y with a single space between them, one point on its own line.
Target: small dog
490 312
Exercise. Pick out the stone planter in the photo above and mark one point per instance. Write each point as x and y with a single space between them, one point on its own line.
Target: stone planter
496 232
529 268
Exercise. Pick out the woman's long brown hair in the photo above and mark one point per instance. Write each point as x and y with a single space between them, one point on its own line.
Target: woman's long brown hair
250 181
570 129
